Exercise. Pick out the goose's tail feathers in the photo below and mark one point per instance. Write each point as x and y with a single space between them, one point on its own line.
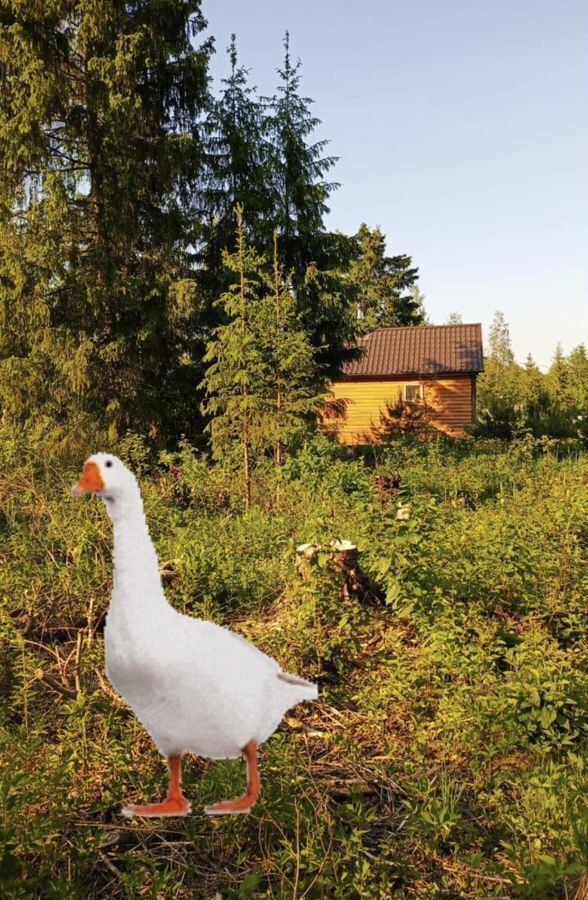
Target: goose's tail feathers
307 690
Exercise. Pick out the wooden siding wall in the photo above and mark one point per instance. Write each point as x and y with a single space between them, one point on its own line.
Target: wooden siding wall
449 402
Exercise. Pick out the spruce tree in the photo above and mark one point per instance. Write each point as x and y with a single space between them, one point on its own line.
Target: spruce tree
314 256
418 300
558 378
100 159
384 284
299 168
237 173
234 380
578 378
291 385
533 382
261 381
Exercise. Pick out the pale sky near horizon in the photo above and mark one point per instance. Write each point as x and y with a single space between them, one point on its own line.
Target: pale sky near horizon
462 131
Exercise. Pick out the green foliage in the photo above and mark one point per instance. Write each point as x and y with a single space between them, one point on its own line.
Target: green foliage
291 379
401 419
499 340
262 383
316 258
232 380
384 284
514 400
259 154
100 154
446 755
238 172
299 168
434 812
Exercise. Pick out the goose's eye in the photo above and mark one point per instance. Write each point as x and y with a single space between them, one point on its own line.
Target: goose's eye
108 463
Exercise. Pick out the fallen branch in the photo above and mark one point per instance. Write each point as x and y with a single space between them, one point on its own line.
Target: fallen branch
58 686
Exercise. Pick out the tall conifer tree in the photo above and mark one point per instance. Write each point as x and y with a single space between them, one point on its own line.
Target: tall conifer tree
300 167
384 284
292 387
232 380
261 383
313 255
559 370
98 112
578 378
500 385
533 383
237 173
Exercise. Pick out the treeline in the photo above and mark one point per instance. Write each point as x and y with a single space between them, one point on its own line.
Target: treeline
120 174
515 399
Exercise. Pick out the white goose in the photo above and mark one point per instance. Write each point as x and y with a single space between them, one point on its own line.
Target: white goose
196 687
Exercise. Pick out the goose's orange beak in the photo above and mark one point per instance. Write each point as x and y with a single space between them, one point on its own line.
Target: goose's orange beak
91 481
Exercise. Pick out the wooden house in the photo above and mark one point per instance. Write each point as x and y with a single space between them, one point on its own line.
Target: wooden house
413 378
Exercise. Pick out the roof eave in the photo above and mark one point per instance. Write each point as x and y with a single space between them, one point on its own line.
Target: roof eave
367 376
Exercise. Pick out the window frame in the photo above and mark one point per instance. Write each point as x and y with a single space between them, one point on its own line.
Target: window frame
421 392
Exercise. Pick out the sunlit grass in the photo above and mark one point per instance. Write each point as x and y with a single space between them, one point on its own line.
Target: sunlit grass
447 753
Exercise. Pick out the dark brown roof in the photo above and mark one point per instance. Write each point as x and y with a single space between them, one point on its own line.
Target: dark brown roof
419 350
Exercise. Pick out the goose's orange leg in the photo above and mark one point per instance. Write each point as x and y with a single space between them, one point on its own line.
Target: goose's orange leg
244 803
175 804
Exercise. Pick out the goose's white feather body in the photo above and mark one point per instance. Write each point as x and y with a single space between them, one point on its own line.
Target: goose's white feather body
195 686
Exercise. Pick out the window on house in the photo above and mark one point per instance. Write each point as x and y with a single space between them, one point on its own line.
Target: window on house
413 393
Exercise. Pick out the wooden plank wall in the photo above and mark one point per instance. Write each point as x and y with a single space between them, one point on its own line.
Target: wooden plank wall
449 400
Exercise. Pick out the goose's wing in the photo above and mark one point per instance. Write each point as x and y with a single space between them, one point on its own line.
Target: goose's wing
215 642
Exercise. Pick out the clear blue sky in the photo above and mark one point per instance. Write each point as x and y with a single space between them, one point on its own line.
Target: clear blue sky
462 131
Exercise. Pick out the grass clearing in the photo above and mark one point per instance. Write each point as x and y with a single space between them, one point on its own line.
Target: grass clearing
446 756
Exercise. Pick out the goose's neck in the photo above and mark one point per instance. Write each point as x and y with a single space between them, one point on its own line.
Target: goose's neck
137 581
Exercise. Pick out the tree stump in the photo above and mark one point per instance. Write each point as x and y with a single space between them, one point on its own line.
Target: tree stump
343 559
306 555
